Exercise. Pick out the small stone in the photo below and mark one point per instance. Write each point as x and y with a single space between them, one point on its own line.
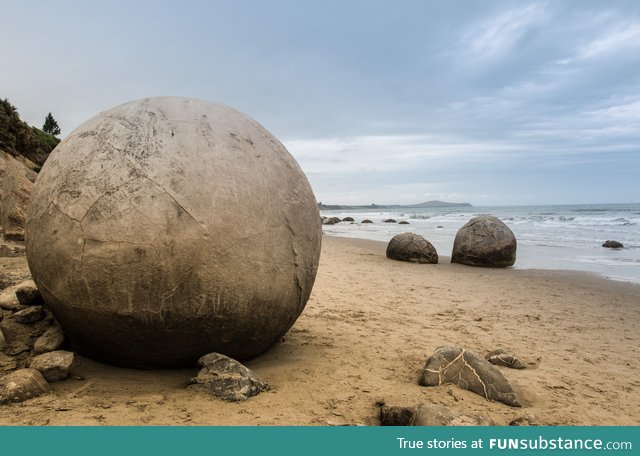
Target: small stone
501 357
226 378
21 385
51 340
613 245
29 315
7 364
54 365
3 341
28 294
451 364
8 299
429 415
17 348
526 420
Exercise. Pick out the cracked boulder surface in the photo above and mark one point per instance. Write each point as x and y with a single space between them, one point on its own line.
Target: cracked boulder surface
167 228
411 247
451 364
484 241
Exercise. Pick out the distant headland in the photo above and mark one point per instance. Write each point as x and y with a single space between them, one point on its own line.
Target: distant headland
426 204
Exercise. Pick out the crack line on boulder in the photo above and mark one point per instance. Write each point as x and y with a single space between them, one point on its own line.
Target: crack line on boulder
144 175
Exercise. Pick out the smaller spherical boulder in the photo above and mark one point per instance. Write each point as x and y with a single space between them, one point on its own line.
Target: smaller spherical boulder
366 221
348 219
485 241
411 247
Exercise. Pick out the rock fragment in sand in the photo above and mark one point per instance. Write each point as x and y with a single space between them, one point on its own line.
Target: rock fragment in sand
613 245
28 294
7 364
53 366
411 247
226 378
52 339
526 420
484 241
29 315
366 221
451 364
3 341
9 300
21 385
429 415
501 357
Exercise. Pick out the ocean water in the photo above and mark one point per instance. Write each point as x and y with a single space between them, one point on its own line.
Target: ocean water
549 237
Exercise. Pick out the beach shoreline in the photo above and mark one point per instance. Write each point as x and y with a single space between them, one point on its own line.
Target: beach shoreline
363 340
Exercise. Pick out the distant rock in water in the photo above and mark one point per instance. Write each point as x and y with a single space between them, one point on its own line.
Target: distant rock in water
366 221
612 245
484 241
411 247
403 222
390 221
348 219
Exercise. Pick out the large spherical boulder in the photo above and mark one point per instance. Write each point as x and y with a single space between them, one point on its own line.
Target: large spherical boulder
484 241
167 228
411 247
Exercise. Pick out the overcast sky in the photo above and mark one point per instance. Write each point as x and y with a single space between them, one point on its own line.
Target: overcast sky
492 102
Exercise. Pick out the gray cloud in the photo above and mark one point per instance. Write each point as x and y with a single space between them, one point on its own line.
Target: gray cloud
489 102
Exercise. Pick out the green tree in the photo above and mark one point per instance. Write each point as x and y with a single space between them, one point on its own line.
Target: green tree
51 126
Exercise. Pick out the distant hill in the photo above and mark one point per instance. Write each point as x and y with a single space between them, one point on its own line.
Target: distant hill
18 138
426 204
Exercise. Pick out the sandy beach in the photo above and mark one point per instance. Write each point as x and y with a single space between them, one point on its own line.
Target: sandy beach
363 340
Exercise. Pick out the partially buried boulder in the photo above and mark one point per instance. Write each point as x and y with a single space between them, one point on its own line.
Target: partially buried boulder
366 221
451 364
429 415
226 378
348 219
411 247
21 385
501 357
484 241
